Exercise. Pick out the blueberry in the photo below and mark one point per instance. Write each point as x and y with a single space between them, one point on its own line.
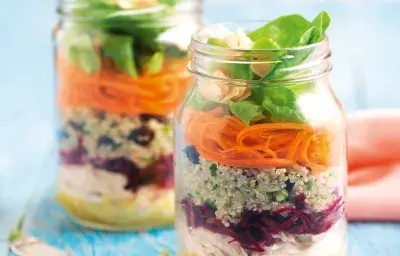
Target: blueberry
142 136
106 141
64 134
77 126
192 154
289 186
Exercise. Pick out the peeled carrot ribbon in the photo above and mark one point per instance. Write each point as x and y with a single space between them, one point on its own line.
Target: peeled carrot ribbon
226 140
117 92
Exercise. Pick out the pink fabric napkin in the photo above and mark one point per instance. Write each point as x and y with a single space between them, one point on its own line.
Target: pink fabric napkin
374 165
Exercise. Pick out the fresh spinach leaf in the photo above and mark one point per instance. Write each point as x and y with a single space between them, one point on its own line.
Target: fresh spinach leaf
284 31
217 42
120 49
247 111
280 105
174 51
80 50
321 22
300 88
199 102
239 71
168 2
288 32
265 43
308 36
155 63
234 71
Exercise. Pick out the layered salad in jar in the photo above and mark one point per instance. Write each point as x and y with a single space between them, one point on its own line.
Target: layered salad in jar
255 174
121 69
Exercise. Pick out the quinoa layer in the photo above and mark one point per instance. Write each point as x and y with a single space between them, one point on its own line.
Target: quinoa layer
141 138
232 190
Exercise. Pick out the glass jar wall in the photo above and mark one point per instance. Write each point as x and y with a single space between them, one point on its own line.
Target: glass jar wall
121 72
260 158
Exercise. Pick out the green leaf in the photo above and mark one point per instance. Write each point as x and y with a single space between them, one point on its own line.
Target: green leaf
284 31
120 49
17 232
265 43
199 102
280 105
217 42
301 87
174 51
289 32
321 22
15 235
79 48
239 71
234 71
155 63
247 111
168 2
308 36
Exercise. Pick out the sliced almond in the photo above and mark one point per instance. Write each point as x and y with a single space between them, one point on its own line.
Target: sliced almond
261 69
211 91
245 92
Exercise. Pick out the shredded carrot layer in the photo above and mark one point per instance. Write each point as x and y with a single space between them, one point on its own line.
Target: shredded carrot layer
226 140
117 92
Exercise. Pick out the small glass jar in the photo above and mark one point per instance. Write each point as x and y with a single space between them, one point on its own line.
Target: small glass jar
260 163
121 72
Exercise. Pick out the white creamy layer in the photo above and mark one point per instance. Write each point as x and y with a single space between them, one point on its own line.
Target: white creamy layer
94 185
202 242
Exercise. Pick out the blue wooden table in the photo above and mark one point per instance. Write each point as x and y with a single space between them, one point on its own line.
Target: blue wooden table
364 41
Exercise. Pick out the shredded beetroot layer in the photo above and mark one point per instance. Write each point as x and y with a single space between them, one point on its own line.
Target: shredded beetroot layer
159 173
255 230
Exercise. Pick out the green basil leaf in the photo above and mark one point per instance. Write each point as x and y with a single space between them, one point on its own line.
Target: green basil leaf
247 111
155 63
80 50
120 49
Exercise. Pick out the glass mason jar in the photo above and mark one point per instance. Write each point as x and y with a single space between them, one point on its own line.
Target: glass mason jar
121 70
265 179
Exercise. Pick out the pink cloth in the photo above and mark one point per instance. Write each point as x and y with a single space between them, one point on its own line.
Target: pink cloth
374 165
